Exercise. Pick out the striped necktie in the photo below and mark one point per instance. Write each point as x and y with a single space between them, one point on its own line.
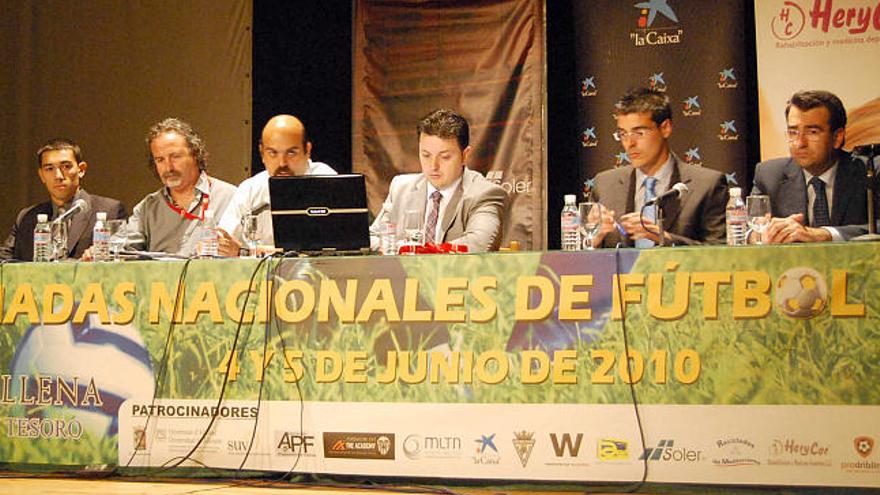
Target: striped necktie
431 224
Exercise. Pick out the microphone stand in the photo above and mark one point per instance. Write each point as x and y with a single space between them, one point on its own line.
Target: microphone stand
662 241
870 151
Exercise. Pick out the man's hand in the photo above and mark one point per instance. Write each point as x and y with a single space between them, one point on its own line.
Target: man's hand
606 226
226 245
632 224
791 229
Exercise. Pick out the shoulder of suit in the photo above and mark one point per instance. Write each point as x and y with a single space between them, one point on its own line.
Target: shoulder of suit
402 180
472 179
773 164
687 169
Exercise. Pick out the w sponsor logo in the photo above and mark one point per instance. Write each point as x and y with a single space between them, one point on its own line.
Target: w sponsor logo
564 444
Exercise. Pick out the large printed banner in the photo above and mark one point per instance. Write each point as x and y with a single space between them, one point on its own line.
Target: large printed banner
689 49
484 59
753 363
818 44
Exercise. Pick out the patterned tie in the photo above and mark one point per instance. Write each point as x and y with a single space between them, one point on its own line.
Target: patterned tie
431 225
821 217
650 213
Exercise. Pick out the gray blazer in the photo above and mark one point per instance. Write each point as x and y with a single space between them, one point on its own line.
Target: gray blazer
696 218
783 180
473 217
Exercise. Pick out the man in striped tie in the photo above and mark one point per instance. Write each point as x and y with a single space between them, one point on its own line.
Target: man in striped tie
447 201
817 194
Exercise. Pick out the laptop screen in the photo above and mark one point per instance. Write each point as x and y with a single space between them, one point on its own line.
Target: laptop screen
318 212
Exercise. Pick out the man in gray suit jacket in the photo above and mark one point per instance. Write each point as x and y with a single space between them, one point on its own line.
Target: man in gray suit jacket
61 168
644 124
454 204
817 194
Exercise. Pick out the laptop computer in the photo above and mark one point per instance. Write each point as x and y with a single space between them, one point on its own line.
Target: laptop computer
320 213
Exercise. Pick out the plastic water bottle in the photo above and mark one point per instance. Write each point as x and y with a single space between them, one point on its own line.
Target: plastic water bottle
737 218
569 224
42 239
388 239
101 238
209 239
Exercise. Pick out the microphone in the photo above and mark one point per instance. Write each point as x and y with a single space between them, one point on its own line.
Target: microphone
78 205
677 191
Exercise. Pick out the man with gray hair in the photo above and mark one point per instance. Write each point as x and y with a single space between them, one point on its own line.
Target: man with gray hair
168 220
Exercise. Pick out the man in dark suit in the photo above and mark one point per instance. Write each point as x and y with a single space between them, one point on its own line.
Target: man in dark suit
817 194
644 125
61 168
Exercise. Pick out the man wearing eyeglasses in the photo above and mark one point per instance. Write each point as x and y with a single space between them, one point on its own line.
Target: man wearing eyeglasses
644 125
818 193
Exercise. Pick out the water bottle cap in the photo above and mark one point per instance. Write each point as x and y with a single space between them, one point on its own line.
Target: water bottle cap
736 192
570 198
102 215
42 218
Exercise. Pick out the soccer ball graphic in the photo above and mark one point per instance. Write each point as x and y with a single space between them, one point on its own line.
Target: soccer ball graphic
111 356
801 293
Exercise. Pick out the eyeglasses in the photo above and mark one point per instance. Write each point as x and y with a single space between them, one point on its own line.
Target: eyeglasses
634 135
811 134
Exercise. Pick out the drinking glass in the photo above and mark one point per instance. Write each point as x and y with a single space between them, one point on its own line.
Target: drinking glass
412 228
250 234
590 221
758 208
116 228
59 241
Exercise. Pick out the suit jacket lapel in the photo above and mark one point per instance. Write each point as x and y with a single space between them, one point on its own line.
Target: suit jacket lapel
79 223
417 198
672 208
793 197
628 184
453 209
847 181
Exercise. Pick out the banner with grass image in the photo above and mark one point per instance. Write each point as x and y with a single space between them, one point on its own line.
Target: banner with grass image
419 360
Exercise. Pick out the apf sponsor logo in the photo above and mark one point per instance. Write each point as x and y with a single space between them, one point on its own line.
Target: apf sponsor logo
566 448
588 86
691 106
345 445
486 451
863 446
418 447
610 449
728 131
621 159
523 443
791 452
666 451
588 138
664 32
733 452
727 79
513 185
294 443
692 156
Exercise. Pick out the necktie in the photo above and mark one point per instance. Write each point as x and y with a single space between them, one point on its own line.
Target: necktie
431 224
649 213
821 217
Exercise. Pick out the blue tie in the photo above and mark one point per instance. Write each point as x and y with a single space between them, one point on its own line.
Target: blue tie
649 213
